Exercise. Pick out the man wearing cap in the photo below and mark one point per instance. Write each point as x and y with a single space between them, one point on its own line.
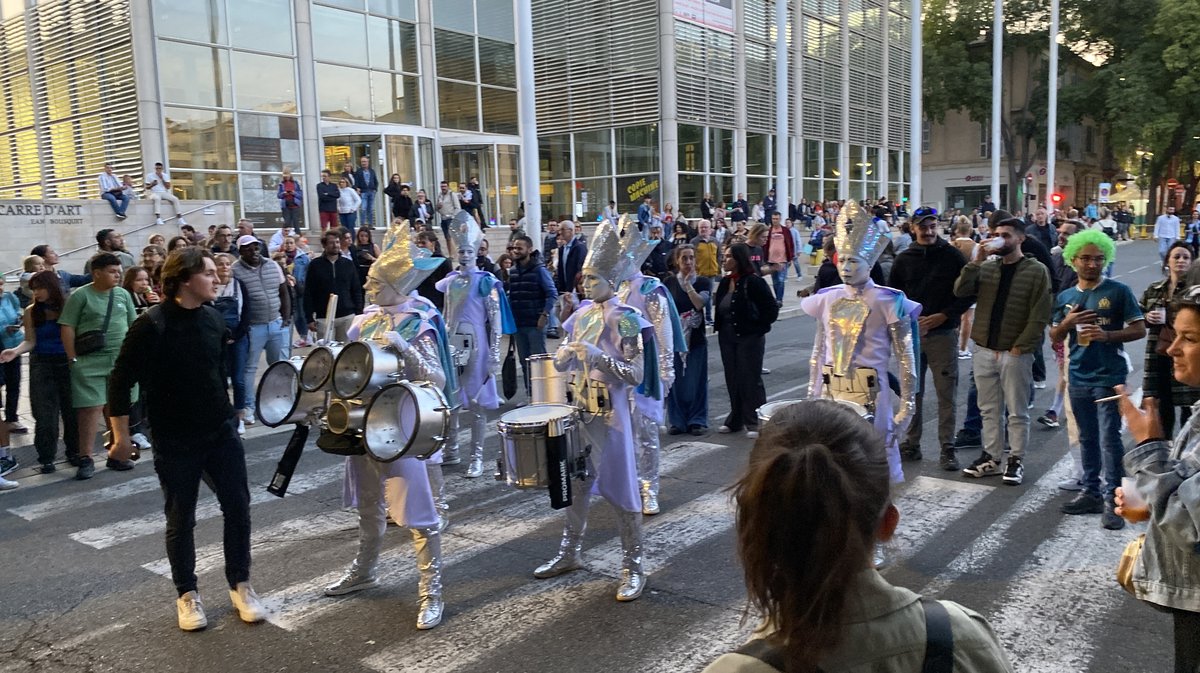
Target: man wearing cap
925 272
268 310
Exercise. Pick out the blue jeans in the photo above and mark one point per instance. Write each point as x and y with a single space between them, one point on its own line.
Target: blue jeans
530 341
271 337
235 365
118 203
778 279
347 220
1100 447
367 208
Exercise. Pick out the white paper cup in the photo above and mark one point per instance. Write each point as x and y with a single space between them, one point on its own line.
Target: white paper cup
1133 498
1160 314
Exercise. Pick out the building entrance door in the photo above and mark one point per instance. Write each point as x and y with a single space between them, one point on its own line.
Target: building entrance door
343 150
460 164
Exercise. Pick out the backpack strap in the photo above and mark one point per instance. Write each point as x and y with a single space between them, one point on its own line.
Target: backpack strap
939 638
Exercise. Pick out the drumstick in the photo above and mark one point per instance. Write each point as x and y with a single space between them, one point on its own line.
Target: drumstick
330 312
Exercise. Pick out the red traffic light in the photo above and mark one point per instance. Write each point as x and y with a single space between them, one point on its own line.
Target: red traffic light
1056 198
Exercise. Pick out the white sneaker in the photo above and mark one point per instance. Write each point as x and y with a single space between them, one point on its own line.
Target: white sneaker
766 371
7 485
158 220
182 221
190 612
248 417
752 434
141 441
249 607
241 428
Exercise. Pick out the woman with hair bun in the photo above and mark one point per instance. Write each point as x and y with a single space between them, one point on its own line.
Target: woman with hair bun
812 504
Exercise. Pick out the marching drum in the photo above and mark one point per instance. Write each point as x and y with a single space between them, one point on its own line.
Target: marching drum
547 384
345 416
537 441
766 411
317 373
406 419
364 367
280 399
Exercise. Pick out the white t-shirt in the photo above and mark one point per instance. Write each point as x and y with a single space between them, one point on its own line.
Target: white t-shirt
156 182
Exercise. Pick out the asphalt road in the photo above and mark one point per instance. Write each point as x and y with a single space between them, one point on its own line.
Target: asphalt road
84 584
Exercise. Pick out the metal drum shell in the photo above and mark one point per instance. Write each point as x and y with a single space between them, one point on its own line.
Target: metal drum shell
317 373
766 411
279 399
547 384
363 368
523 442
383 432
346 416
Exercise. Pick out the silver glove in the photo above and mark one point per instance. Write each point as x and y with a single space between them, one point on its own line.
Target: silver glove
422 360
494 329
816 362
906 369
658 313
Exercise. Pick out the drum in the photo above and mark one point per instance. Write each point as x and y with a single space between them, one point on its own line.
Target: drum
406 419
364 367
528 437
345 416
317 373
766 411
547 384
280 399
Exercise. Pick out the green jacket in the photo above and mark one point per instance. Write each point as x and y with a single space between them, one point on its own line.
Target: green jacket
1027 307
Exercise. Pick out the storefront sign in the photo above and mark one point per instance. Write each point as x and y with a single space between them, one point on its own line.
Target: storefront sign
635 188
1105 192
715 14
32 213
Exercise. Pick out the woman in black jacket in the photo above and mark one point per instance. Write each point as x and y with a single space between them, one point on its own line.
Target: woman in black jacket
745 308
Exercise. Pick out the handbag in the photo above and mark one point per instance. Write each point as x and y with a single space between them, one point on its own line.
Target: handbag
1128 560
508 372
95 340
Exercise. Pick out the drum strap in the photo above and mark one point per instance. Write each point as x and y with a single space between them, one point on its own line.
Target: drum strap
558 472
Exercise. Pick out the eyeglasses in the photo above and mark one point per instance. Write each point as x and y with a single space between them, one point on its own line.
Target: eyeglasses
1089 259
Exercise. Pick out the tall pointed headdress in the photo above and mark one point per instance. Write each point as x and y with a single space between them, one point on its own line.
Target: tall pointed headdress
857 235
635 247
607 255
401 264
466 231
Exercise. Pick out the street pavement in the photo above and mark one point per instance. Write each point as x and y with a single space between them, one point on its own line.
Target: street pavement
85 585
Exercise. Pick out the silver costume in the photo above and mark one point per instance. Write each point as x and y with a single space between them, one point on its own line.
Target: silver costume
603 351
861 328
405 487
650 297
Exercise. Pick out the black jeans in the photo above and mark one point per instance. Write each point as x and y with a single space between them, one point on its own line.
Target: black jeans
1187 641
50 399
12 389
221 462
742 359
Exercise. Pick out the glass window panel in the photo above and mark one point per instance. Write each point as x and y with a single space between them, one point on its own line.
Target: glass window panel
193 75
266 83
259 203
342 92
856 162
19 101
721 187
458 105
871 167
757 159
499 111
348 4
893 165
720 150
403 9
691 148
495 19
637 149
593 153
833 156
455 15
202 186
756 189
812 158
199 138
264 25
393 44
497 63
811 190
268 143
831 190
556 199
395 98
554 157
691 191
592 197
402 159
339 36
508 187
198 20
456 56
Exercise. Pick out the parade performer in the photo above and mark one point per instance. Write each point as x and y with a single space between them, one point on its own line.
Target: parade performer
402 487
609 348
476 314
860 327
650 297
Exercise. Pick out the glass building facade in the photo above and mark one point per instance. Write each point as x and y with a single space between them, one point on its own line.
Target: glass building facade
228 93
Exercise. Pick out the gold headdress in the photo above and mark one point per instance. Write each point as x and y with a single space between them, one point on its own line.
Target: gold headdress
465 231
857 234
401 264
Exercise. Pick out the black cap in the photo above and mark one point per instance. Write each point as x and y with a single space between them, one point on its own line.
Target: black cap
1005 218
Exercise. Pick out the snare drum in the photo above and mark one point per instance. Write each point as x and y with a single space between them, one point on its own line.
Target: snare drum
547 384
766 411
364 367
525 437
280 399
406 419
317 373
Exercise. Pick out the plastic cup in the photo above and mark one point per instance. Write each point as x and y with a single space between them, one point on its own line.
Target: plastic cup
1133 498
1160 315
1080 338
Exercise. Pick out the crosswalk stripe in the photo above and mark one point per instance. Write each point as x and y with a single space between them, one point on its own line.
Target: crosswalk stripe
298 604
697 646
103 537
1052 608
125 489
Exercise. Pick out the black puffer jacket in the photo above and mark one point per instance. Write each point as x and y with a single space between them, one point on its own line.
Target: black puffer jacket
752 304
926 274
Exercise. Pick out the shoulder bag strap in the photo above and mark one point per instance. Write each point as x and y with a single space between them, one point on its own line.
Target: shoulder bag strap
108 313
939 639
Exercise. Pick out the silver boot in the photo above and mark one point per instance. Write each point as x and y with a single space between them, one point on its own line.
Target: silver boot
372 522
437 484
450 450
569 548
428 545
478 427
648 458
633 578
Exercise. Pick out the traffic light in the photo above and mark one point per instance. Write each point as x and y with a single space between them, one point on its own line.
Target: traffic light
1056 199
